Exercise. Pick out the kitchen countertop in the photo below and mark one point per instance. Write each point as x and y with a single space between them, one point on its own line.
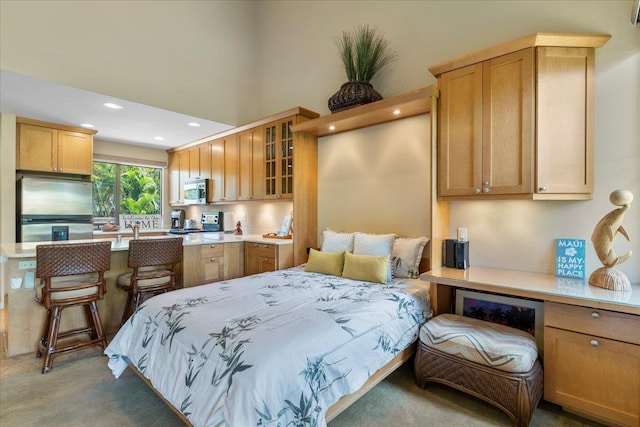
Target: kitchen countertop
28 250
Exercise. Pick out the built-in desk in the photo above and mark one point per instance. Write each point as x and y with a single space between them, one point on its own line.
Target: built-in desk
591 336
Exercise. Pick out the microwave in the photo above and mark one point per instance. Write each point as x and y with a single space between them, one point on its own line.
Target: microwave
195 192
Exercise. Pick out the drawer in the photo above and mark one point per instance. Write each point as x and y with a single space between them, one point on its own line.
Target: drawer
211 250
266 250
592 321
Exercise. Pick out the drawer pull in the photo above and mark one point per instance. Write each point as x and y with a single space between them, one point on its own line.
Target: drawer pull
595 343
213 260
213 246
595 315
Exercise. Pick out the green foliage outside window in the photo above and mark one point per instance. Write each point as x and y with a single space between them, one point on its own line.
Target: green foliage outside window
124 189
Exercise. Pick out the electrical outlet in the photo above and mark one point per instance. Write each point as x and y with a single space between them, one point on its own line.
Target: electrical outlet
26 265
462 234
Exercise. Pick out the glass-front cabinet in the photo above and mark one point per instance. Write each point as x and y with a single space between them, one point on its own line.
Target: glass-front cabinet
278 143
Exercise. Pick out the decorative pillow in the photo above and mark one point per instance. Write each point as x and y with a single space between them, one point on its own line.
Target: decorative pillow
406 256
325 262
337 242
366 267
374 244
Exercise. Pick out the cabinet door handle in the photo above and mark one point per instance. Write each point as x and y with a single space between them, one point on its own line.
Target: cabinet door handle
485 189
213 260
542 188
595 315
213 246
476 190
594 343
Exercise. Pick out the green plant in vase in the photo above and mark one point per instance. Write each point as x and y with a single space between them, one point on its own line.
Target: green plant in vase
364 52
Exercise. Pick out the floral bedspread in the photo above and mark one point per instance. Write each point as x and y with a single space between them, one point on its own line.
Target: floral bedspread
273 349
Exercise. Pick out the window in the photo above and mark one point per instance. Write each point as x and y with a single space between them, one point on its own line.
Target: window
120 189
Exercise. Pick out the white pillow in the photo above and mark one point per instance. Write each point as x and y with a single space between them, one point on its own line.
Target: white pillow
336 242
374 244
406 256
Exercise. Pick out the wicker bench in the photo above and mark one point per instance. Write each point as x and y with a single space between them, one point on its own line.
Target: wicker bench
495 363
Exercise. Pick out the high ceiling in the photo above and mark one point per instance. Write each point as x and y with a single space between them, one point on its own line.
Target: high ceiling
135 123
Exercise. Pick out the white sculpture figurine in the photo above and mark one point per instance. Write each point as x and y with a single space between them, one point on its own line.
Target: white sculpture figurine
603 237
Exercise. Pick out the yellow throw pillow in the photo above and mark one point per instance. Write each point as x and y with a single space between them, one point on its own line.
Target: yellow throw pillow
325 262
369 268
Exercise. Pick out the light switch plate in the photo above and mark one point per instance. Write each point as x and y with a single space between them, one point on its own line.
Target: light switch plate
462 234
26 265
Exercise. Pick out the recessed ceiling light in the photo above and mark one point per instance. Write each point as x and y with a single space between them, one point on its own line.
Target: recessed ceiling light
112 106
332 127
194 124
87 125
158 138
396 112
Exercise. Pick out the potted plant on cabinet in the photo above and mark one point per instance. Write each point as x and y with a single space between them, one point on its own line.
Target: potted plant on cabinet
364 52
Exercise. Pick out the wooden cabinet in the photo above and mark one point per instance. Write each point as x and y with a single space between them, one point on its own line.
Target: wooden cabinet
257 161
212 262
251 180
179 172
516 121
47 147
278 158
262 257
592 362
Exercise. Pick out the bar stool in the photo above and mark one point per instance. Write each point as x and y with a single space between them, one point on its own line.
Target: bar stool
53 262
145 257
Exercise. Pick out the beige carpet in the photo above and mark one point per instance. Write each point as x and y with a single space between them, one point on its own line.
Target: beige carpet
80 391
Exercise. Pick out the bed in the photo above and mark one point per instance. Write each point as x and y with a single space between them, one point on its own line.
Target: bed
289 347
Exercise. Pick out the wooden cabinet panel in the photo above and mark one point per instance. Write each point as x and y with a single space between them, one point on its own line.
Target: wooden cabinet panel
245 166
262 257
594 375
251 259
565 113
507 124
175 192
48 149
75 152
37 148
257 164
184 170
251 165
231 167
217 170
460 138
233 260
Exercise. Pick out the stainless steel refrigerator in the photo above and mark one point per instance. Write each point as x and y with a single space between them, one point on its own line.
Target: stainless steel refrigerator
51 209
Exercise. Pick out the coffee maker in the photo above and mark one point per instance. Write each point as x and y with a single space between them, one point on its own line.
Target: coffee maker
177 219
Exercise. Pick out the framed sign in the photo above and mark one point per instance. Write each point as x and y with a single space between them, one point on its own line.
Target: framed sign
153 221
523 314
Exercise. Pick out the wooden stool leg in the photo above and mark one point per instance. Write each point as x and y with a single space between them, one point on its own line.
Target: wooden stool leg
97 326
42 343
52 339
127 309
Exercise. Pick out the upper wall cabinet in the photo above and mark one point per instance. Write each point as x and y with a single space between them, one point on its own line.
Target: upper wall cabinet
516 120
48 147
263 160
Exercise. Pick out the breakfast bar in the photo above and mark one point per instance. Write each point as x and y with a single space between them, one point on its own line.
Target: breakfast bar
25 316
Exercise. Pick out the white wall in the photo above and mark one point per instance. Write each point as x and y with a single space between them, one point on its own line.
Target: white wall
193 57
376 179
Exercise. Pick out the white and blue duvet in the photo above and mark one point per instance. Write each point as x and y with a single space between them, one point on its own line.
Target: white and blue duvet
274 349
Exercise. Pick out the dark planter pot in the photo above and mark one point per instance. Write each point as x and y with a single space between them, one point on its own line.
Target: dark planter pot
352 94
